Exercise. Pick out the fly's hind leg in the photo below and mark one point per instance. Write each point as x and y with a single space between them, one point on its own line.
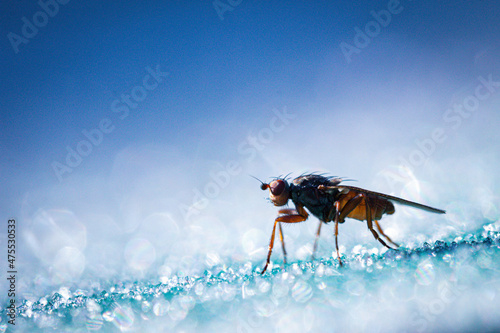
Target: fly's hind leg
349 206
383 234
370 222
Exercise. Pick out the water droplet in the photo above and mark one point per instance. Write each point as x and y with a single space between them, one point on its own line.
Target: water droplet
263 286
229 292
94 322
212 259
264 307
160 307
187 302
253 242
280 289
198 288
139 253
123 317
247 291
176 312
424 274
108 315
301 291
92 306
447 258
145 306
68 264
355 288
484 261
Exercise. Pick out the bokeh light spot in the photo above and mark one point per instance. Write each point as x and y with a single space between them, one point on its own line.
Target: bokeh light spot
424 274
302 291
123 317
139 254
69 264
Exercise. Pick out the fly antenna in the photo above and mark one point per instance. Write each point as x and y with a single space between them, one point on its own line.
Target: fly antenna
263 185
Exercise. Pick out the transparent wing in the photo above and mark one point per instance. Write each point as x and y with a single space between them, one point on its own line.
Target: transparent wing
344 188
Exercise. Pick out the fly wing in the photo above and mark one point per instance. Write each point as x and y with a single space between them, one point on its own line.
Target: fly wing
345 188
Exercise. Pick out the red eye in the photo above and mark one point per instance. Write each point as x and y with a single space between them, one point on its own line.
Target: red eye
277 187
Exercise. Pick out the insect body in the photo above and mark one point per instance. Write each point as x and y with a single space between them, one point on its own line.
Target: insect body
326 199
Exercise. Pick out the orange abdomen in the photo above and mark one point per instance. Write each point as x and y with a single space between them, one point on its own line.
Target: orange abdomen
378 207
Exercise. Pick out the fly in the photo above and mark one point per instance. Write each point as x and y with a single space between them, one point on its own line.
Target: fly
329 201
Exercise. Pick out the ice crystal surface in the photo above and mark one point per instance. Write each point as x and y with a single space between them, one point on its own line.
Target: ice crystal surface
446 285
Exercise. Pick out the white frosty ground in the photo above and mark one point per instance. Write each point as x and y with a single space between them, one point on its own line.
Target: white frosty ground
447 286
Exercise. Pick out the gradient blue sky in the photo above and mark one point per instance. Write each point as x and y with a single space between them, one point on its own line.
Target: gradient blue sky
354 119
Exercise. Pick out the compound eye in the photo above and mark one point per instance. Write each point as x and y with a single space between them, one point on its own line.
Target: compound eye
277 187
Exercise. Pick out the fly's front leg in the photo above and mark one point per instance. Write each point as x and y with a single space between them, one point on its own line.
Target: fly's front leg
282 238
290 216
271 244
288 211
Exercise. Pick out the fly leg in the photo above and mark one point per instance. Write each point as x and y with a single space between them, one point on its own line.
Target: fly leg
316 240
352 204
383 234
341 214
370 222
282 238
337 215
290 216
